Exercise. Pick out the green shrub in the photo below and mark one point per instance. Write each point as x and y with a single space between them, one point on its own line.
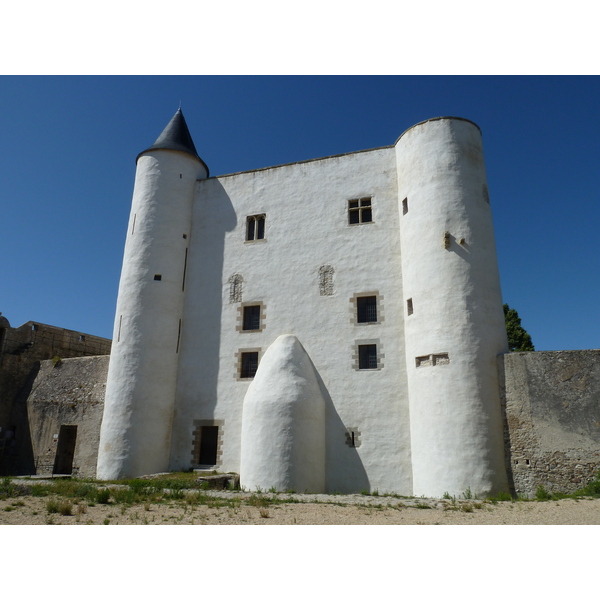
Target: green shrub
592 488
542 494
7 488
124 496
103 496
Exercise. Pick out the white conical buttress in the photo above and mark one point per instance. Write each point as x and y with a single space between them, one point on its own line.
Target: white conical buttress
454 323
140 390
283 423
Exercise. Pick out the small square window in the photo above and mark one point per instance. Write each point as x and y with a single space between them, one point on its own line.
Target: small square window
255 228
158 277
251 321
366 309
249 365
359 211
367 356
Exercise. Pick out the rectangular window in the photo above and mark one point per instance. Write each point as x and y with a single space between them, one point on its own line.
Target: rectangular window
251 318
404 206
409 306
255 228
367 356
249 365
366 309
359 211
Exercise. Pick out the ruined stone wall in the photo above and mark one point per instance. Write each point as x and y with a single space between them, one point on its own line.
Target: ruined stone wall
21 349
70 393
551 403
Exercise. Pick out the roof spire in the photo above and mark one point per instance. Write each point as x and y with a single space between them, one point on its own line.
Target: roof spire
176 136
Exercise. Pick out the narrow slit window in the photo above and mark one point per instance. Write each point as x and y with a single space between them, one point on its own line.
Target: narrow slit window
409 306
184 270
404 206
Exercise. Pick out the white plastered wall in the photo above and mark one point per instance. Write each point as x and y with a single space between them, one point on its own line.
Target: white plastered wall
456 427
306 208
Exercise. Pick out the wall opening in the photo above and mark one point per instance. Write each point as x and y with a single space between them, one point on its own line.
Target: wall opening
184 270
366 309
65 451
249 365
352 437
251 318
404 206
367 356
255 228
409 306
360 211
209 438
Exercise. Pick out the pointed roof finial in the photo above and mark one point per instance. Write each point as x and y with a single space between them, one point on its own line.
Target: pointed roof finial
176 136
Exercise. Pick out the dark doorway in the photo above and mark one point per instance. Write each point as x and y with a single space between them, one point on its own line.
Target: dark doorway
209 437
63 463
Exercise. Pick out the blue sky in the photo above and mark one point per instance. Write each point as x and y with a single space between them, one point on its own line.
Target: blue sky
68 163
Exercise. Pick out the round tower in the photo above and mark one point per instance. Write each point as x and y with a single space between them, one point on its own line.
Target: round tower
140 389
454 323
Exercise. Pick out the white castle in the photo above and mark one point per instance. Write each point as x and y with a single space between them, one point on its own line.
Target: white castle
321 326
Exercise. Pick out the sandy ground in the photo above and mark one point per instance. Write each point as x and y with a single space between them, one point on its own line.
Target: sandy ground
310 510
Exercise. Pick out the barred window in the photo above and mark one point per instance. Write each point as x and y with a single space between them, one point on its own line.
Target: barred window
251 320
249 365
366 309
367 356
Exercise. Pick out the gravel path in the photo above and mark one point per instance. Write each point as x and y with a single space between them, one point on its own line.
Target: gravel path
309 510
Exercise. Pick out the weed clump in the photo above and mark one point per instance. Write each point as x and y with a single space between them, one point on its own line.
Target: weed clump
542 494
61 507
103 496
592 488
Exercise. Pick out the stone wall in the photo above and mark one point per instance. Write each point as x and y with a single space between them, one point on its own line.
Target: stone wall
551 405
68 393
21 349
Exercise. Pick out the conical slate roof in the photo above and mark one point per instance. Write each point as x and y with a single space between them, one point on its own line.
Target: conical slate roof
176 136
